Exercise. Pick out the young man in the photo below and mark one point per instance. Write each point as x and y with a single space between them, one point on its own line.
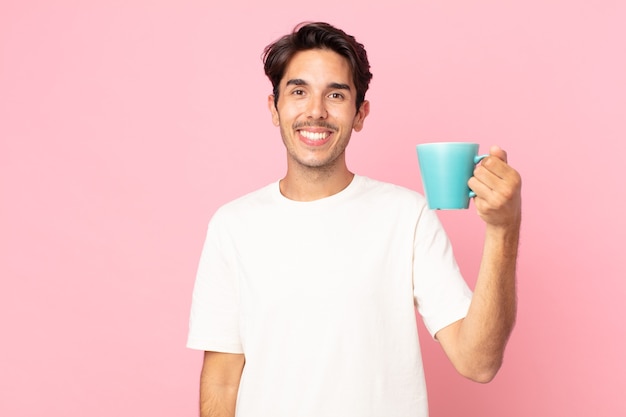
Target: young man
306 290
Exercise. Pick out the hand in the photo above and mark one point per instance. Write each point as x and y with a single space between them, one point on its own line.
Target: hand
498 190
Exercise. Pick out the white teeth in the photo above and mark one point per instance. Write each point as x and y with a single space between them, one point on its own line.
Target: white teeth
314 135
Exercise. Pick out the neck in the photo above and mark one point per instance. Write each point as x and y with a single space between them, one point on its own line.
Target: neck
313 184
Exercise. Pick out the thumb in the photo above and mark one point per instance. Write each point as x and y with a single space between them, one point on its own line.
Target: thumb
498 152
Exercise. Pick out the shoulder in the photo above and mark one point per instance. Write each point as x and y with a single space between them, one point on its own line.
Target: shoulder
264 195
246 205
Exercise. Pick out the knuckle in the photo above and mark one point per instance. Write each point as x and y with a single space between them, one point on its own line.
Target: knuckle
506 195
488 162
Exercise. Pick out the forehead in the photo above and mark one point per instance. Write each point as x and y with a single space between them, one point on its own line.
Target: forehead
318 65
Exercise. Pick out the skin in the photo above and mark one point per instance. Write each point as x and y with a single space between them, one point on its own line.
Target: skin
317 96
219 383
317 99
475 345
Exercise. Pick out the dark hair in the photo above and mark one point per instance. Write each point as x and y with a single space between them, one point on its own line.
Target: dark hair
319 35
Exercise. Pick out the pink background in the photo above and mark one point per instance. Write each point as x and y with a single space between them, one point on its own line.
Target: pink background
125 124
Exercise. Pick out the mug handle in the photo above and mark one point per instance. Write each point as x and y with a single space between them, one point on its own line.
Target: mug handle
477 159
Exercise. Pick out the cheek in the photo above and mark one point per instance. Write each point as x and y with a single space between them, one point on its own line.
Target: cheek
286 114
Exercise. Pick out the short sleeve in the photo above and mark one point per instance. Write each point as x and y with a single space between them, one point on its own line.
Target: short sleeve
214 318
441 294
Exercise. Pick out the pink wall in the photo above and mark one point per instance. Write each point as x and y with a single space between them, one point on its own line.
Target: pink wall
123 126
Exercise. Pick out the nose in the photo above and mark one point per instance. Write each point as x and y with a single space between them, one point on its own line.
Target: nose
316 108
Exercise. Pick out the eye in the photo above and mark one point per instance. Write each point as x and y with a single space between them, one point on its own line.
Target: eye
298 92
336 96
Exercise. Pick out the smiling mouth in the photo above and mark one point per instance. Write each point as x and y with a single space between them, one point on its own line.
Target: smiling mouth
314 136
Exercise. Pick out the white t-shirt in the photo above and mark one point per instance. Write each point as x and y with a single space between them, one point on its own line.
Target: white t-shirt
320 297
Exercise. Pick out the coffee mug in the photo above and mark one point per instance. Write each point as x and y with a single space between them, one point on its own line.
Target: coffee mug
446 167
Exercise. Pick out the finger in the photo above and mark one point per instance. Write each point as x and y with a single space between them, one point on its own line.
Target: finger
492 173
498 152
489 185
481 189
496 166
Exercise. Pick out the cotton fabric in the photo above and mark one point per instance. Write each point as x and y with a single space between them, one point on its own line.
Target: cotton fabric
320 297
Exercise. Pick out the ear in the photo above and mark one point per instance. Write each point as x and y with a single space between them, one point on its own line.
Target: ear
272 107
361 114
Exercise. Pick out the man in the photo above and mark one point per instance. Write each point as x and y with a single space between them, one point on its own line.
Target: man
306 290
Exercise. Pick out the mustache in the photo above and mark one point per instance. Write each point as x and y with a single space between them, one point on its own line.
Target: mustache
324 125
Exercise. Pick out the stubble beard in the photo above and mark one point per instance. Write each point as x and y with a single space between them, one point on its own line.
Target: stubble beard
324 167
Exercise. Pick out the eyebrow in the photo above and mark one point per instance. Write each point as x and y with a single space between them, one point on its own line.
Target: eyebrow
336 86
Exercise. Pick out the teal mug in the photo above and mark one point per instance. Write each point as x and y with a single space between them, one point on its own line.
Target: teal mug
446 167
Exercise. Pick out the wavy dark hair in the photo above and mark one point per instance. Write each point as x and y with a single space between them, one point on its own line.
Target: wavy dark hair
317 35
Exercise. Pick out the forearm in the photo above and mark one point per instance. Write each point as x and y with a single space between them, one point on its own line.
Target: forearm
219 384
475 344
216 400
483 334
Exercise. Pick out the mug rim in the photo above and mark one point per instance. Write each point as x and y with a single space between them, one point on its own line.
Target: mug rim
447 143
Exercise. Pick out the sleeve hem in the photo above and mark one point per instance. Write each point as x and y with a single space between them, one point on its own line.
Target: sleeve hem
458 314
213 346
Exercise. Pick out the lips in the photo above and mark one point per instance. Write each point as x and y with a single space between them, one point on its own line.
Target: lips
314 138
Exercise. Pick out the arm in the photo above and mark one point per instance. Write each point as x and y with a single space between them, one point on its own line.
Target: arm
219 383
475 344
